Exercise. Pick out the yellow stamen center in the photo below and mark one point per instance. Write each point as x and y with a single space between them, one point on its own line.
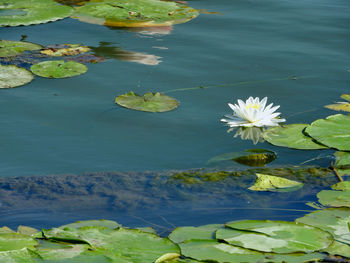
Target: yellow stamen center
252 106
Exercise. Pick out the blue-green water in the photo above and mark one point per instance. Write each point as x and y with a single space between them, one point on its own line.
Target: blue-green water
73 126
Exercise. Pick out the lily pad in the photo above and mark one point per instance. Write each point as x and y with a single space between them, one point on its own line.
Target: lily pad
334 198
291 136
104 223
12 76
205 232
338 248
275 236
212 250
58 69
341 106
251 157
342 162
29 12
26 230
265 182
23 255
136 13
121 245
16 241
150 102
12 48
333 220
60 251
66 50
342 186
334 131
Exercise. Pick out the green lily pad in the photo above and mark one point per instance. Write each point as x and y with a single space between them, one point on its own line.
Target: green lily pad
6 229
265 182
333 220
12 48
58 69
65 50
207 250
136 13
29 12
60 251
23 255
291 136
334 131
205 232
121 245
150 102
342 162
103 223
26 230
16 241
334 198
252 157
338 248
345 97
342 186
12 76
275 236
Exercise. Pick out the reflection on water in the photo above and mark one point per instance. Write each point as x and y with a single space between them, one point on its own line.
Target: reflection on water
107 50
254 134
154 30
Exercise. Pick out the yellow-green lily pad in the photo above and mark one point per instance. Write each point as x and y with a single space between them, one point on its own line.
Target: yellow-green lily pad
334 131
341 106
274 236
10 48
338 198
136 13
291 136
265 182
58 69
184 233
12 76
342 162
29 12
65 50
150 102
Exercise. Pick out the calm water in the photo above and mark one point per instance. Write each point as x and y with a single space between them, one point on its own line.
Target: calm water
73 126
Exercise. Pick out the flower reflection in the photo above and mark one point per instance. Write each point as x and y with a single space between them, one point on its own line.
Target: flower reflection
249 133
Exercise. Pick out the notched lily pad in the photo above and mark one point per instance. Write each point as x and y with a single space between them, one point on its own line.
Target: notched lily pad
336 198
58 69
10 48
29 12
265 182
334 131
342 162
150 102
136 13
12 76
291 136
275 236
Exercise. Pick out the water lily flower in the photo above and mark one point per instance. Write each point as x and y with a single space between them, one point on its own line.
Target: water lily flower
253 113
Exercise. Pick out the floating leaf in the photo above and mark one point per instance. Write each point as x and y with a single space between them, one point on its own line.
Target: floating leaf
338 248
137 13
342 162
341 106
121 245
104 223
291 136
205 232
67 50
28 12
58 69
207 250
334 198
150 102
275 236
167 257
271 183
12 48
342 186
334 131
26 230
251 157
333 220
60 251
23 255
16 241
345 97
12 76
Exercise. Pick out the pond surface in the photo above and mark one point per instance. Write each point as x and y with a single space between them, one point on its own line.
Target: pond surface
294 52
